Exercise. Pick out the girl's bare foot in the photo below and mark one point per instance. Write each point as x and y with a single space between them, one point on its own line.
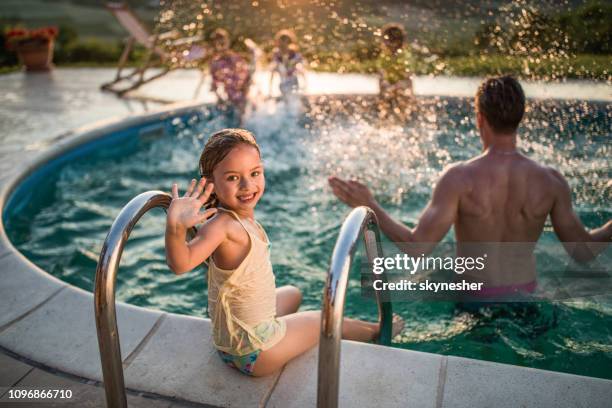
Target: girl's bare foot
398 325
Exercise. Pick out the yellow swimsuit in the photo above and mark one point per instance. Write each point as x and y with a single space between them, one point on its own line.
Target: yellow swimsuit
242 303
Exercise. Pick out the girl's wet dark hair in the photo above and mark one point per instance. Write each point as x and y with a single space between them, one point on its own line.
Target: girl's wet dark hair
502 102
217 147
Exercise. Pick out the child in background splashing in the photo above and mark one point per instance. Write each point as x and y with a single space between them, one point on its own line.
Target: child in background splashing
231 76
256 327
395 82
288 63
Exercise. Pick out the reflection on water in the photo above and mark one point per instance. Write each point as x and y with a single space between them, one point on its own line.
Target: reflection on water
64 224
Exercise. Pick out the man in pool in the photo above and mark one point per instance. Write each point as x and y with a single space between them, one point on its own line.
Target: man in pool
498 196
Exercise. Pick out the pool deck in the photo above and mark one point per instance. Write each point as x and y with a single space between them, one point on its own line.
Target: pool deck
47 330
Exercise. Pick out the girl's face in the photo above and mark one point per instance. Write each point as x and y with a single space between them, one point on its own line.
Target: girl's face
239 179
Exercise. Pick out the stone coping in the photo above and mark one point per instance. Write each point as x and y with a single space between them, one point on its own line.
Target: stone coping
51 323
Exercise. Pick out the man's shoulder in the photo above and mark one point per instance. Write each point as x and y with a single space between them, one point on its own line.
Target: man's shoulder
544 171
456 169
554 178
542 176
455 175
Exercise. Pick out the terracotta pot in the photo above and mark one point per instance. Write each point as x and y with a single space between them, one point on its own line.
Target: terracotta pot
36 55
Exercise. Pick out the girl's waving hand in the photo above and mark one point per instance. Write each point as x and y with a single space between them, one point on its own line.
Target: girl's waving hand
184 212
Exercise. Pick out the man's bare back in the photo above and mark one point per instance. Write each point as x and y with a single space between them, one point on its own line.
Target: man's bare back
505 197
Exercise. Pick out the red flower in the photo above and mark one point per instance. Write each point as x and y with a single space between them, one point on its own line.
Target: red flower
16 32
18 35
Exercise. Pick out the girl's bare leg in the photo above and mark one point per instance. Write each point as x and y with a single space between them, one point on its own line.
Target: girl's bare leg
288 300
302 334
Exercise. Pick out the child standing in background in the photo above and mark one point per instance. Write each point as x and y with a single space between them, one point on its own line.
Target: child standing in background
395 78
231 76
288 63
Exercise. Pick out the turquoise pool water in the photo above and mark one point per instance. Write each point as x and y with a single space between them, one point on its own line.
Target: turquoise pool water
62 214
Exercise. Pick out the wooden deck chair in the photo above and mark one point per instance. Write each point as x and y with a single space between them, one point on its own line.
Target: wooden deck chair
171 51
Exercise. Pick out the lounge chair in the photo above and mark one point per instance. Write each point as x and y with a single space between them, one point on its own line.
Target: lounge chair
171 51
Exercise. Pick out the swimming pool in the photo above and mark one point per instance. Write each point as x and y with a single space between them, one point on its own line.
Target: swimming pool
60 215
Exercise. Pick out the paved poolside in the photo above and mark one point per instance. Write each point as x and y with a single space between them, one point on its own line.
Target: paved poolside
18 374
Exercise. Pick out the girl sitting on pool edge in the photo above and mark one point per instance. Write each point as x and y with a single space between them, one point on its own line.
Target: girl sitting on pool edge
256 327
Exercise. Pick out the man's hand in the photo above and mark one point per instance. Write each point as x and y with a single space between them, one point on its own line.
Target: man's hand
184 212
351 192
436 220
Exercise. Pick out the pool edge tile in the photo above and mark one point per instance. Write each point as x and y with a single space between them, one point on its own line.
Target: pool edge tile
24 287
179 361
473 382
413 376
68 325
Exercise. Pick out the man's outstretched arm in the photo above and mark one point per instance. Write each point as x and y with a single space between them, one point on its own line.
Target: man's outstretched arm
434 223
569 228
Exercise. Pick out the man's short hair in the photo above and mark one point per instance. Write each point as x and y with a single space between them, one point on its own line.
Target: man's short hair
502 102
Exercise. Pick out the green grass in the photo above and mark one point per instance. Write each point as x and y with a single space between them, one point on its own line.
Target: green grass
583 66
9 69
580 66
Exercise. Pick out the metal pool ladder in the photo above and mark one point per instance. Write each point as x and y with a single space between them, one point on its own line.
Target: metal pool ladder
104 291
361 220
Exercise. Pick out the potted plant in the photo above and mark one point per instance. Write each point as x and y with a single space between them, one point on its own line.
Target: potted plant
34 47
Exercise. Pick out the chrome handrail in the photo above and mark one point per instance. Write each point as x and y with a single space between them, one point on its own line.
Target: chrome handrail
360 220
104 291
